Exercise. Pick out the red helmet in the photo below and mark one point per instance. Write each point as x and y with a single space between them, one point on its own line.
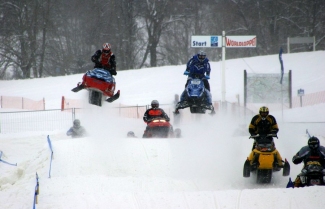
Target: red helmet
106 48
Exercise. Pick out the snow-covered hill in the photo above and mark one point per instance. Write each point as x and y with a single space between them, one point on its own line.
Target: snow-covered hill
203 169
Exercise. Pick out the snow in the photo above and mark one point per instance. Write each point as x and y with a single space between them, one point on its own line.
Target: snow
203 169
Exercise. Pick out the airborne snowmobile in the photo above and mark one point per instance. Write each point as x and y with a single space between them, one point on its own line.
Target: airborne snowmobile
98 82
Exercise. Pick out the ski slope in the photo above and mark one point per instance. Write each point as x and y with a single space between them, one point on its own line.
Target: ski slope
203 169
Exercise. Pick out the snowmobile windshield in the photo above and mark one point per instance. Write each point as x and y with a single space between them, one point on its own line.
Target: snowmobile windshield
313 166
195 88
101 74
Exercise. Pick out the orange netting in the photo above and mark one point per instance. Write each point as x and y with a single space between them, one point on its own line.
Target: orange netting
22 103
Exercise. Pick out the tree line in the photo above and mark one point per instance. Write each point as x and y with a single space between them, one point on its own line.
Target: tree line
40 38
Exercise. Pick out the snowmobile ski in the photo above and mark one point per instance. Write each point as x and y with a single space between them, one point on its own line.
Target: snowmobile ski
78 88
114 97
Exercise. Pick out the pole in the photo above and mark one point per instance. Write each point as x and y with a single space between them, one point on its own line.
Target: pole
300 101
223 88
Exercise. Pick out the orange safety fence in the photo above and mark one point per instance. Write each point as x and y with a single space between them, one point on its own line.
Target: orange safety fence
138 111
67 103
131 111
308 99
21 103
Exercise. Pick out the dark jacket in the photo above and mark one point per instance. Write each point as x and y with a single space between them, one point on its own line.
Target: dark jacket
104 61
153 113
263 127
305 154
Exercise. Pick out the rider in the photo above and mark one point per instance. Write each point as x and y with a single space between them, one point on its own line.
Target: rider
153 113
198 67
105 59
263 124
76 130
313 152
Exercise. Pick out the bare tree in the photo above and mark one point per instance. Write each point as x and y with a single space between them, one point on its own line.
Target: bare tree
156 16
20 21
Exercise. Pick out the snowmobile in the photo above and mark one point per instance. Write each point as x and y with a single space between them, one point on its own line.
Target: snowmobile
263 160
158 128
195 98
313 174
98 82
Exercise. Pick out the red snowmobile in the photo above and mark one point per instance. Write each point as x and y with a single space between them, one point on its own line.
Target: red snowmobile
98 82
158 128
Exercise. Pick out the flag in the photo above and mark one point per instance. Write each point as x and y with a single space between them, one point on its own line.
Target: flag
281 62
290 184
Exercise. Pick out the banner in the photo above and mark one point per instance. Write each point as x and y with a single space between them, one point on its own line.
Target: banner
240 41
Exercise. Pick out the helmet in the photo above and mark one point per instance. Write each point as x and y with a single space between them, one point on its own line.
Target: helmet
313 142
154 104
264 111
76 123
106 48
201 55
130 134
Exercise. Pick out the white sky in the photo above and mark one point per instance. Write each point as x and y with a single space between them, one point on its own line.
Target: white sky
203 169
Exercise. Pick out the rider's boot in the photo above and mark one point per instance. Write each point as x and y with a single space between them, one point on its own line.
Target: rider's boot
182 102
209 100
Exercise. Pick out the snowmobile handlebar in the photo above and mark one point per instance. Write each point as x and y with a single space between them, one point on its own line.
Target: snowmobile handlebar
267 135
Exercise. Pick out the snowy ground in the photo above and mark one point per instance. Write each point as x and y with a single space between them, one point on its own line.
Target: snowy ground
203 169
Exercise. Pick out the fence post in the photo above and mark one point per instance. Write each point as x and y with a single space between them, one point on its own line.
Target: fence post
73 114
43 103
62 103
137 111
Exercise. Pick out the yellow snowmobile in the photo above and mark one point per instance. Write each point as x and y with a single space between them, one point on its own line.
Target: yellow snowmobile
264 160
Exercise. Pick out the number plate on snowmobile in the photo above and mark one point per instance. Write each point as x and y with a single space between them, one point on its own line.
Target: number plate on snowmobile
196 82
314 181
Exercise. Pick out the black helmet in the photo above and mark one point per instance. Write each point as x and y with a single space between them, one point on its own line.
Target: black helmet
76 123
201 55
264 111
130 134
154 104
313 142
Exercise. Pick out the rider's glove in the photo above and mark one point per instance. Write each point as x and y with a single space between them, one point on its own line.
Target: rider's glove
273 133
207 76
186 72
113 72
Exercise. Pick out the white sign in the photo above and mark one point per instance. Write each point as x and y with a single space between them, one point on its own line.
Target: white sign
206 41
223 42
240 41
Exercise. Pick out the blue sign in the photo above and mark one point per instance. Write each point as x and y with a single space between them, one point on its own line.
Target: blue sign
214 41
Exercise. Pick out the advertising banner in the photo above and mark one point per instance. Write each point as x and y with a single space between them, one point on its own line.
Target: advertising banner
240 41
206 41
